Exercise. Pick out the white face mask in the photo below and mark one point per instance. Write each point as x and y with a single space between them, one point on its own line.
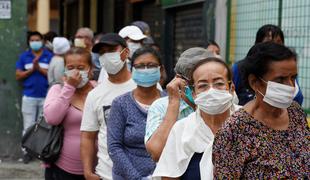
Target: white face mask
79 42
278 95
214 101
112 62
84 75
133 47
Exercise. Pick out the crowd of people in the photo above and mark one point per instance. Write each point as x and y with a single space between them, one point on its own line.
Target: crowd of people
122 120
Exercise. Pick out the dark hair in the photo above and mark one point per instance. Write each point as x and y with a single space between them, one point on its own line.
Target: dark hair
49 36
145 50
79 51
207 60
265 30
259 58
33 33
211 42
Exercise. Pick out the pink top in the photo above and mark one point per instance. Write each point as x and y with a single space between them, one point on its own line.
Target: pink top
57 109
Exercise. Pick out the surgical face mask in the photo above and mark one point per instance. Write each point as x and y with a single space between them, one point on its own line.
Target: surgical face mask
36 45
188 94
112 62
278 95
133 47
214 101
146 77
79 42
84 76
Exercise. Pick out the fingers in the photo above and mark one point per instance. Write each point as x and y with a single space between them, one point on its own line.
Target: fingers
182 84
178 83
74 78
64 78
176 86
36 59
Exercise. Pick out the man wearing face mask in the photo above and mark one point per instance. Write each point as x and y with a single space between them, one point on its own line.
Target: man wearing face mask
84 39
113 55
134 38
31 69
165 111
188 151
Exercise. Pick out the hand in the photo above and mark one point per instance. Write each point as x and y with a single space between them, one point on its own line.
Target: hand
175 88
35 62
73 78
30 71
92 176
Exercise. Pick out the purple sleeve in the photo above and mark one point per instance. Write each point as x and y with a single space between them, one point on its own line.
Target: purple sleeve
57 103
116 124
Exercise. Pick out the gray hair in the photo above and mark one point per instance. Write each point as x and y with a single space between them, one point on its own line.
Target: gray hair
88 32
189 59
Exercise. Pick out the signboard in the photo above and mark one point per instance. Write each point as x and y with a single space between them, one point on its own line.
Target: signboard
5 9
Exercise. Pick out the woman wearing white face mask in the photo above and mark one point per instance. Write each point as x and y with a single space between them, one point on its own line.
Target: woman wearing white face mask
64 105
269 137
187 154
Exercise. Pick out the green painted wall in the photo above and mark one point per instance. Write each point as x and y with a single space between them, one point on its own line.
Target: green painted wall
12 43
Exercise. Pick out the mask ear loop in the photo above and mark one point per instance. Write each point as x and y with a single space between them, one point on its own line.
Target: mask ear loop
259 91
120 53
232 107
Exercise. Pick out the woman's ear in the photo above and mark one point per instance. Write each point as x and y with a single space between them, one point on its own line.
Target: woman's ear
161 68
252 80
232 87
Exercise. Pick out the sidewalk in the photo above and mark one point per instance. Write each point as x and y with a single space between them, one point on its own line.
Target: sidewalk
15 170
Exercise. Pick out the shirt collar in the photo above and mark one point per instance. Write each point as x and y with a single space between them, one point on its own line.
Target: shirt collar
183 105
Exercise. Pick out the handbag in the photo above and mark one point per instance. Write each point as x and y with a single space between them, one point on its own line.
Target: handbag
43 141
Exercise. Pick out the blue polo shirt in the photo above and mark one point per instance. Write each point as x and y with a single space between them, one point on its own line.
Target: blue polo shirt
36 84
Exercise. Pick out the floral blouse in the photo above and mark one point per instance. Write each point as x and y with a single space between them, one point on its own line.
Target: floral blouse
247 149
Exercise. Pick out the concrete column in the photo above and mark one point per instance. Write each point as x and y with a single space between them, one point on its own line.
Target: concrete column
81 13
43 16
93 15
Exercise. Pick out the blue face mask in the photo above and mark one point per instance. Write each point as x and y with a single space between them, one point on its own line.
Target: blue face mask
146 77
36 45
188 94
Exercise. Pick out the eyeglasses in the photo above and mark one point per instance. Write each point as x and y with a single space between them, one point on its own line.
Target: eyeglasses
221 85
146 66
